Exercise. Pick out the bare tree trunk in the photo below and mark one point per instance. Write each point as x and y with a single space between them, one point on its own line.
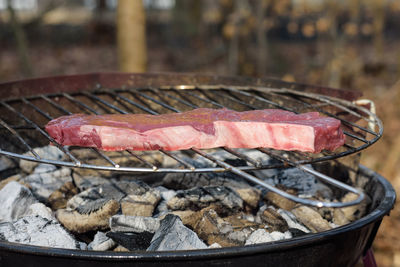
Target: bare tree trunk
131 36
378 26
333 68
233 56
21 42
261 38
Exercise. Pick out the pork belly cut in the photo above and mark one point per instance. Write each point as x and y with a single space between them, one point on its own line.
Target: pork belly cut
200 128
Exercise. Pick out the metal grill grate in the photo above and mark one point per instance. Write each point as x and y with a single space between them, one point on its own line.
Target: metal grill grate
22 121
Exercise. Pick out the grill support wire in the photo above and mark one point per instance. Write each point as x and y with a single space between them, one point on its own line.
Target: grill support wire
126 100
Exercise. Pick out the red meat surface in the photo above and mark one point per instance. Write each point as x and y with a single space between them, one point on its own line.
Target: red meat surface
200 128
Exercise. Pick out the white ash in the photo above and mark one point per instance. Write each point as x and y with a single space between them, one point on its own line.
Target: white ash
162 207
101 242
6 163
249 217
165 193
215 245
292 221
38 231
15 200
41 210
240 236
136 224
46 152
262 236
43 168
43 184
173 235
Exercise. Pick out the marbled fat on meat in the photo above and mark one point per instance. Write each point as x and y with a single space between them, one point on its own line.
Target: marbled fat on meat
200 128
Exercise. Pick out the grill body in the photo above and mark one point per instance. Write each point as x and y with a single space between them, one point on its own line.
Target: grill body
342 246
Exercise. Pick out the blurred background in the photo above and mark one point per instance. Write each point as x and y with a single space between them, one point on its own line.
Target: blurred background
350 44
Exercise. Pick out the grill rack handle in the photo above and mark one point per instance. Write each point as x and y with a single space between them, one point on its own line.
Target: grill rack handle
282 193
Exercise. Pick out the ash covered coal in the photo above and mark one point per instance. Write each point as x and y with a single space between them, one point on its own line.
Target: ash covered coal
46 205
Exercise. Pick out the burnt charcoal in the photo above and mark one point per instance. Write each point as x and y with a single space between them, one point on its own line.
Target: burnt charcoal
178 181
2 237
304 183
101 242
296 232
132 241
236 162
223 198
272 219
15 178
339 217
106 191
279 201
212 228
136 197
242 226
137 224
43 168
59 198
92 206
46 152
142 204
292 221
166 194
38 231
86 182
85 222
15 200
161 209
173 235
47 180
311 218
7 167
250 196
355 212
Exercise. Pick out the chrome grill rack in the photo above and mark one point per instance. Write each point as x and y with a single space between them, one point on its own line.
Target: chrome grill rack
22 123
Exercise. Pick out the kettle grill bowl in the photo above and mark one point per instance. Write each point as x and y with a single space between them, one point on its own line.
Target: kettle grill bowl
342 246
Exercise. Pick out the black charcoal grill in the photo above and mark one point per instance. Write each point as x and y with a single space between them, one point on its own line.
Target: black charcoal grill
26 106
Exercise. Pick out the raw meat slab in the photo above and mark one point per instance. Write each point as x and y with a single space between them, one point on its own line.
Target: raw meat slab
200 128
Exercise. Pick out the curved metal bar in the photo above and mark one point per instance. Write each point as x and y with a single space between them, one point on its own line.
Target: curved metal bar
284 194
